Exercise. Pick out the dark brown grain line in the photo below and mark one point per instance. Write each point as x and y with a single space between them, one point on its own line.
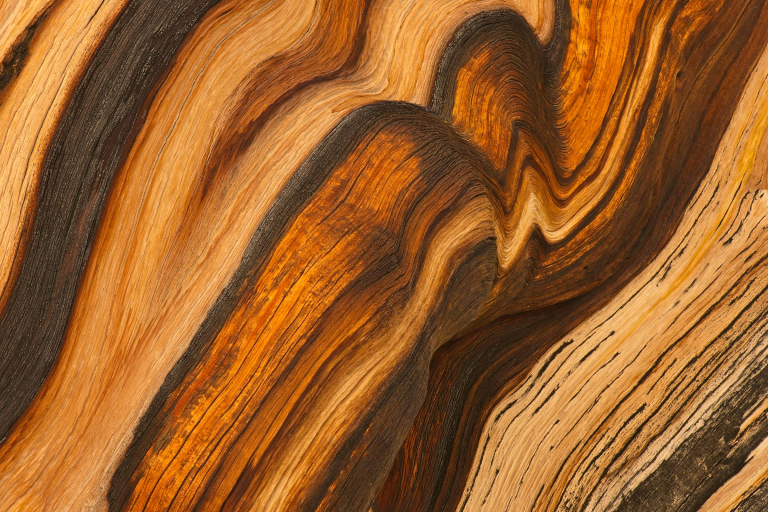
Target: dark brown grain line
553 277
466 374
14 60
294 196
100 121
755 501
362 121
718 449
10 67
129 474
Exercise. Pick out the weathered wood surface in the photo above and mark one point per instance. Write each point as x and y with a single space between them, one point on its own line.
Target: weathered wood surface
387 254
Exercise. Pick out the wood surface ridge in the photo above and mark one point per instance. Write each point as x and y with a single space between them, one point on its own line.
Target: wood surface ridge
670 374
384 255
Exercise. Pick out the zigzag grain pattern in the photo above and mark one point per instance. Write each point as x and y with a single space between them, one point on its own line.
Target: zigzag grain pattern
399 279
152 311
658 401
343 254
491 362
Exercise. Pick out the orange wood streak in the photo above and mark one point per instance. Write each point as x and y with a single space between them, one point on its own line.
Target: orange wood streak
347 235
405 184
314 324
157 265
434 459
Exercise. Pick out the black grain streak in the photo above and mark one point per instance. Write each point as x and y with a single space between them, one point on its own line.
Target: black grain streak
286 207
710 457
97 128
15 59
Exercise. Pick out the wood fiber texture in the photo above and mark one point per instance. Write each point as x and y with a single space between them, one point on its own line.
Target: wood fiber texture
384 255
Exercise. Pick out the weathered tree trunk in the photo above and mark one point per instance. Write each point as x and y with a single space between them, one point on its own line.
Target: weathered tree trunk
400 255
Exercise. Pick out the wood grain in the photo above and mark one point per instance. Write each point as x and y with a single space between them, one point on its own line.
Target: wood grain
383 254
658 401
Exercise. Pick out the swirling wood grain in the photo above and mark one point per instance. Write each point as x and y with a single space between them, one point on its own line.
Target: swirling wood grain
388 254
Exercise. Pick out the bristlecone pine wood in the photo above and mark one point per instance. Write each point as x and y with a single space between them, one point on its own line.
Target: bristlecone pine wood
384 255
